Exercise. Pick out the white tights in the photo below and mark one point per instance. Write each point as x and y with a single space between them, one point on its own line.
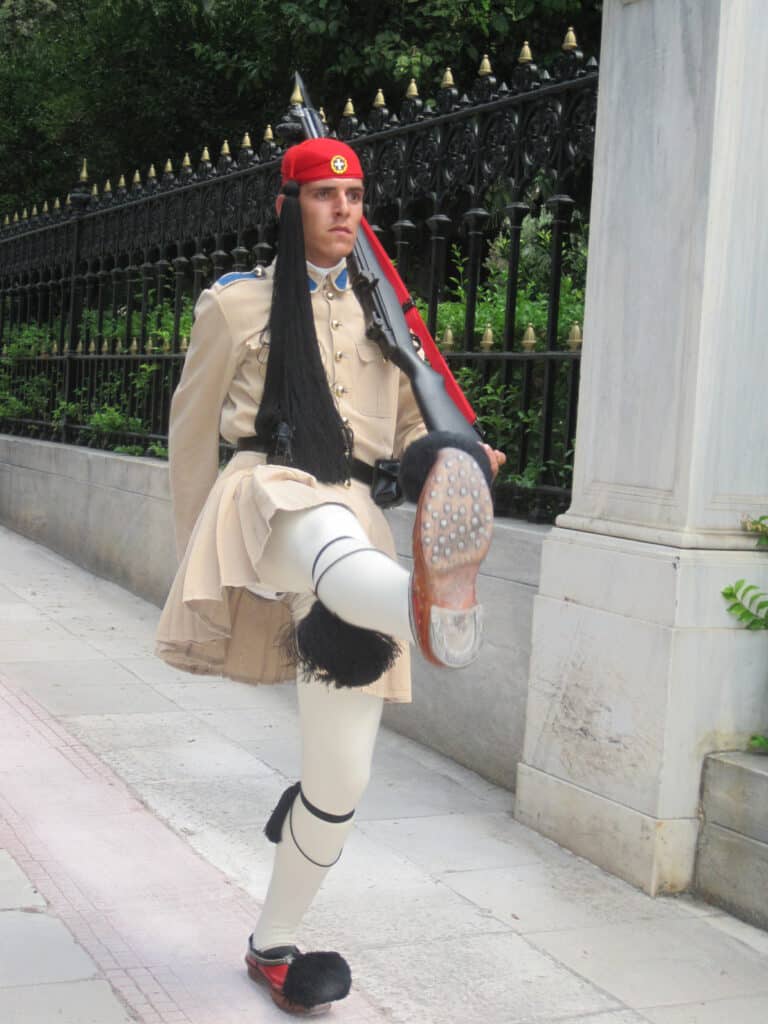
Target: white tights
338 726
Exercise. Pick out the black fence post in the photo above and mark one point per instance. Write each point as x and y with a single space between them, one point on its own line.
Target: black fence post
180 265
516 213
80 198
562 210
438 225
476 219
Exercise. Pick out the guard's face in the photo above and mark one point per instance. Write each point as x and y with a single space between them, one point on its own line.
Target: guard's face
331 211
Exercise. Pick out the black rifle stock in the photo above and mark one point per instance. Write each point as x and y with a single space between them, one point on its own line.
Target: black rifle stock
386 323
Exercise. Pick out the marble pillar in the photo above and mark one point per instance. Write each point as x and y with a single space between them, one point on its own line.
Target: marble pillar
637 670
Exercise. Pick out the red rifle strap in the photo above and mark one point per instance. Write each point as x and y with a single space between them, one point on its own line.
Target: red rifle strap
419 328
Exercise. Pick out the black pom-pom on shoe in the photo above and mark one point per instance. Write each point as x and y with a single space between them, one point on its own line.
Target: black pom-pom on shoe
419 458
331 650
316 978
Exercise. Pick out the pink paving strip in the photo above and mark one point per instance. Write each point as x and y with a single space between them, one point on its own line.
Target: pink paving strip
165 928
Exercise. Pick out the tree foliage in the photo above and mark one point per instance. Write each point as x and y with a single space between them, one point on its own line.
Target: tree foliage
129 82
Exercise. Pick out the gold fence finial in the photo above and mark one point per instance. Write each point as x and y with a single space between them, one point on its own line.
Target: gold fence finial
269 135
447 340
569 43
34 209
107 187
574 337
68 200
45 207
447 82
15 216
412 92
6 221
186 162
246 143
24 214
525 54
349 108
121 181
206 156
84 171
486 343
378 100
225 148
168 169
151 173
136 177
296 96
56 204
529 338
95 190
485 68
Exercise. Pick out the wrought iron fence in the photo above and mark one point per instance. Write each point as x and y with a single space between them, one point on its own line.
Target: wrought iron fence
96 296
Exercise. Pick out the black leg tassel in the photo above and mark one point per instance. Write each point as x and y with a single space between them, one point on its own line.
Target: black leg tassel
333 651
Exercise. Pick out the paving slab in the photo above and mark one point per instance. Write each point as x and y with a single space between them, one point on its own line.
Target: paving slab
74 1002
553 894
16 890
741 1010
36 949
86 687
501 979
660 962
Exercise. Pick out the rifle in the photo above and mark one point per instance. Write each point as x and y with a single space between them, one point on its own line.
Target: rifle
385 317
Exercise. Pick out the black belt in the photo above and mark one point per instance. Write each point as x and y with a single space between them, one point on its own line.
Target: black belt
358 469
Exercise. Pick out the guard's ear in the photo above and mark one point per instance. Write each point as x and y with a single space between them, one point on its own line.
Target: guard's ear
279 202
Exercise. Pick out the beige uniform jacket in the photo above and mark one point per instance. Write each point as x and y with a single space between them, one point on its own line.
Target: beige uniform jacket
214 620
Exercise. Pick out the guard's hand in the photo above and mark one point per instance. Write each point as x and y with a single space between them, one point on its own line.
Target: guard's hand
497 458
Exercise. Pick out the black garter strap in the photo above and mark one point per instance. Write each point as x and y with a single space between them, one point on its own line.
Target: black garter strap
333 540
332 819
347 554
303 853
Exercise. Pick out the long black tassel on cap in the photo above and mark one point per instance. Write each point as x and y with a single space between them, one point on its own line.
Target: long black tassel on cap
298 415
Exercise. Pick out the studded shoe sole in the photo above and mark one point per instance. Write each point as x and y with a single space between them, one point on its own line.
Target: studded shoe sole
451 537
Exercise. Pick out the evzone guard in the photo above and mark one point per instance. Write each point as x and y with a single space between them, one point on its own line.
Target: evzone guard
287 564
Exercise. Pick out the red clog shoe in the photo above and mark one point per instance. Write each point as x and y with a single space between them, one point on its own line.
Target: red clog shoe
302 984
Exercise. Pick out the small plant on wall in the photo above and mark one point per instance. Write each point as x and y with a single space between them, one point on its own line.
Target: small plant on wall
749 605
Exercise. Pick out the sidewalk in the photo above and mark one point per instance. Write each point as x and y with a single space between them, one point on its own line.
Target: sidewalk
132 800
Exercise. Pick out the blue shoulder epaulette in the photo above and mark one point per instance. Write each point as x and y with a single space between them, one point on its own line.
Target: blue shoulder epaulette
248 275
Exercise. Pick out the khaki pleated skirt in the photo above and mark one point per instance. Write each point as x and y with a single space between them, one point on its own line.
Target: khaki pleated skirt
219 617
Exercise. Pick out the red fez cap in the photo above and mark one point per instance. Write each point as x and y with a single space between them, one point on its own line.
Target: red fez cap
316 159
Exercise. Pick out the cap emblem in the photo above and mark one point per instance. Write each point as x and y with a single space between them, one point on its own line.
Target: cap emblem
338 165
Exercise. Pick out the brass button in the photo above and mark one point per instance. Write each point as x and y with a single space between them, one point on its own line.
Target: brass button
348 483
338 356
335 324
329 295
345 420
340 389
